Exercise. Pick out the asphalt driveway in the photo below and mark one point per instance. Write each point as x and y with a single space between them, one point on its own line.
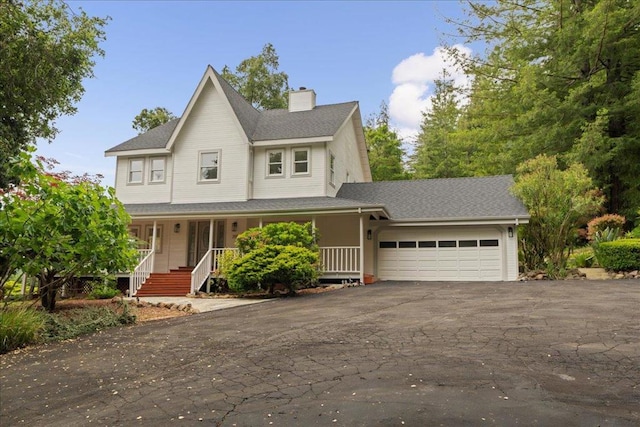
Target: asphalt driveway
392 354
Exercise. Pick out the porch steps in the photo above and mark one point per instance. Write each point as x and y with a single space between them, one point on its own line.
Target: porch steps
174 283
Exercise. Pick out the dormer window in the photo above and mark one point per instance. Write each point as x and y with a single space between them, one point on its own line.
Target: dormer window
275 163
300 161
136 171
209 166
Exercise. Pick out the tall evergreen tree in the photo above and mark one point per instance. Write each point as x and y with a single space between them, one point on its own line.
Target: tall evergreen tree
385 148
559 77
439 153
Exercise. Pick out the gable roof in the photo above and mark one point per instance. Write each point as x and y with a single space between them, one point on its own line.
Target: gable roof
322 121
155 138
445 199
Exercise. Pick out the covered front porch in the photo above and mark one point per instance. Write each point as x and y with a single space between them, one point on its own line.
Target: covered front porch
190 247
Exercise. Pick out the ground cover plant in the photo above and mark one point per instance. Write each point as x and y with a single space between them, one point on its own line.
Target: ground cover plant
22 324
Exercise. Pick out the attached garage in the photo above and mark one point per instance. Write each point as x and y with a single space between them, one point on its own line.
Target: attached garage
441 254
452 229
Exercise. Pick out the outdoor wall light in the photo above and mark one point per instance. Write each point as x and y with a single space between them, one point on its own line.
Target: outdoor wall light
510 231
234 226
176 228
369 234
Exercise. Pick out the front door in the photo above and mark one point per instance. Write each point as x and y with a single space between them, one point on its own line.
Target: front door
199 239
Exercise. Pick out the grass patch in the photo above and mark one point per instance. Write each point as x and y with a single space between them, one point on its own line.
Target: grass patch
22 325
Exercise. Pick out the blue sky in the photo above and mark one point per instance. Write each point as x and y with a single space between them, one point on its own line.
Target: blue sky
157 51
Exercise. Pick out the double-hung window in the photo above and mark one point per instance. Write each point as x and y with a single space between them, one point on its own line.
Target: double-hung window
300 161
136 171
275 163
332 169
157 165
209 166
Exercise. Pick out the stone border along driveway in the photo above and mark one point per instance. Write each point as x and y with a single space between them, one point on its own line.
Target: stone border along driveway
538 353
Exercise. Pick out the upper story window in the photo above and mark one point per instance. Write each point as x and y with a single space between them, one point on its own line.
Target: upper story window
209 166
300 161
332 169
136 171
157 169
275 163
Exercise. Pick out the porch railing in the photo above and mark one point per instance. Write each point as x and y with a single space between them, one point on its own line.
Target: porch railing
335 260
142 271
340 259
209 263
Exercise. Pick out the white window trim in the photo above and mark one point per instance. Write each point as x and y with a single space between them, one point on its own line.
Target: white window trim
136 159
164 170
293 161
209 181
283 162
332 169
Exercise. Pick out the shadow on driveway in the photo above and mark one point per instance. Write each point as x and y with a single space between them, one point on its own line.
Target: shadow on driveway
543 353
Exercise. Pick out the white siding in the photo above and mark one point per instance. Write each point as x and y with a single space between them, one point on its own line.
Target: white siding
289 185
210 126
511 256
146 192
345 148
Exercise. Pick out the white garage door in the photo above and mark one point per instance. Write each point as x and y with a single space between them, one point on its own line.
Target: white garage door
432 254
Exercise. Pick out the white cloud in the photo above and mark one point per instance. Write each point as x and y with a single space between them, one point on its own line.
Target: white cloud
414 77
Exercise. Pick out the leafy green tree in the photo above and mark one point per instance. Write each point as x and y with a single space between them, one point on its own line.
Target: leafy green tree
558 77
257 79
439 151
384 147
558 202
149 119
56 229
47 50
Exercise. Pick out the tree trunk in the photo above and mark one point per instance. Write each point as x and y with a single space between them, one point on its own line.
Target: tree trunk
48 298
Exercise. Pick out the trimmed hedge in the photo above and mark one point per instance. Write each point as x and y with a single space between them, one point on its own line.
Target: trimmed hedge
619 255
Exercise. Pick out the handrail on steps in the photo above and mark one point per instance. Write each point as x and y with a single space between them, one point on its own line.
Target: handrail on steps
142 271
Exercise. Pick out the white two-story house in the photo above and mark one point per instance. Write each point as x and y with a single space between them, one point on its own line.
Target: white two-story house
193 184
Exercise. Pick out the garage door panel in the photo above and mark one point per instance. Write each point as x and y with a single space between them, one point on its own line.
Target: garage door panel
440 254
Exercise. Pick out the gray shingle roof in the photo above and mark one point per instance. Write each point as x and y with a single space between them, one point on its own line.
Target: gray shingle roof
441 199
324 120
247 115
154 138
300 204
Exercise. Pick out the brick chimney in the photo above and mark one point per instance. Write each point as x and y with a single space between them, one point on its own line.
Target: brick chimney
302 99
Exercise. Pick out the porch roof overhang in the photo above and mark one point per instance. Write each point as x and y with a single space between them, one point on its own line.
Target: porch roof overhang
256 208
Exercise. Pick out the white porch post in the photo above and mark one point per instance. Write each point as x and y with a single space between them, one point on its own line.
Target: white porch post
210 247
361 249
313 228
153 237
153 244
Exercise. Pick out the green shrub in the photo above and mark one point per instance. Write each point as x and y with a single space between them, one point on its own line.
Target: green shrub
606 235
610 221
266 266
103 290
582 259
281 234
619 255
20 326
